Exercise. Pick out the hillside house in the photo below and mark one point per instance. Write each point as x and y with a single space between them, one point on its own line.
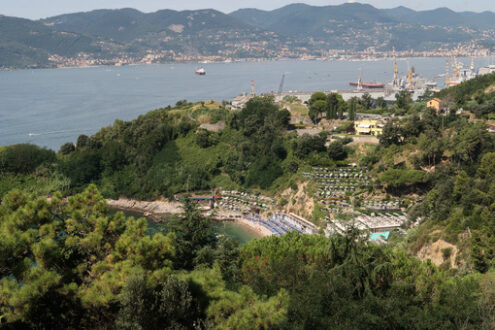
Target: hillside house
436 104
369 127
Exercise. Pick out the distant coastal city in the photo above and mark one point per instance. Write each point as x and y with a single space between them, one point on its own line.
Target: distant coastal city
349 31
167 57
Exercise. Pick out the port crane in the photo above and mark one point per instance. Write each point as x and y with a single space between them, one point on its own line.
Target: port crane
253 90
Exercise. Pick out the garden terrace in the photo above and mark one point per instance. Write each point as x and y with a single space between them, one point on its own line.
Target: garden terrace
243 202
381 205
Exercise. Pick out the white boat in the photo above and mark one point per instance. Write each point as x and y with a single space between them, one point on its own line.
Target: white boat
200 71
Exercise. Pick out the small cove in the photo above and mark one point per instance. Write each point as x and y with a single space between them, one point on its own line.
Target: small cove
231 229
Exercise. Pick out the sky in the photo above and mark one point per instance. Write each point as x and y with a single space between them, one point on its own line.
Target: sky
35 9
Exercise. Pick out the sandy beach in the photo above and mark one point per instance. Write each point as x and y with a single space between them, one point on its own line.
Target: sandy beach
258 229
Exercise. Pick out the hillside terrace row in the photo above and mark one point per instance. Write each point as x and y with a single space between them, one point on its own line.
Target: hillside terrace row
338 201
336 175
337 193
381 205
350 182
236 200
241 195
354 169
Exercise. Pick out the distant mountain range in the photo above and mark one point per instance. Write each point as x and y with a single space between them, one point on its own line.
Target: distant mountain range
127 25
108 36
357 26
24 42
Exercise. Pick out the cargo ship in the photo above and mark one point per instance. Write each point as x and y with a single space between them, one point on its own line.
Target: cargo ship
367 85
200 71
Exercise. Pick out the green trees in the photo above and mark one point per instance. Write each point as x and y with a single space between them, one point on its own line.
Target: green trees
316 109
73 251
353 106
333 105
170 305
81 167
195 237
403 99
336 106
470 141
307 144
402 180
67 148
392 134
318 96
203 138
24 158
432 145
336 151
241 309
343 281
367 101
82 141
71 264
283 118
263 173
381 103
487 166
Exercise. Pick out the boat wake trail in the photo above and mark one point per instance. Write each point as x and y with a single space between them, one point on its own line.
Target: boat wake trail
58 132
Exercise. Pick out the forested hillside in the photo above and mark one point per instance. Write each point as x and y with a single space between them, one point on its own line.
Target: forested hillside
125 25
67 262
29 43
73 265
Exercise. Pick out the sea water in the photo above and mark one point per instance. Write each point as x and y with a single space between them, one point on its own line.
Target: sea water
49 107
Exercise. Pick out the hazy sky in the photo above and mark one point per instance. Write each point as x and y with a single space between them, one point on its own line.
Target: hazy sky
44 8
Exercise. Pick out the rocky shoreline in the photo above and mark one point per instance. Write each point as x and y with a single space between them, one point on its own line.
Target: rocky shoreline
155 210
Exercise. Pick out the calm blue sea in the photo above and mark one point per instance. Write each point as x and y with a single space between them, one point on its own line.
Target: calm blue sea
54 106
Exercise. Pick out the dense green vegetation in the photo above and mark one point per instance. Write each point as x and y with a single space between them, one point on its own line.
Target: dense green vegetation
446 159
164 153
70 264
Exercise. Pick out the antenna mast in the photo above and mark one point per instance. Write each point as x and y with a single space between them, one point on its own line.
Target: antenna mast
395 82
360 80
281 87
253 91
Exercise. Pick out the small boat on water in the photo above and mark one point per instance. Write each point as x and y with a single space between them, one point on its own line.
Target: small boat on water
200 71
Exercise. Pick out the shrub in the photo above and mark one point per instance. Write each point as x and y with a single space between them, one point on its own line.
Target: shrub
336 151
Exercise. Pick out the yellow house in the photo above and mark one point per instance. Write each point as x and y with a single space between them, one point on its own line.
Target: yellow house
369 127
434 104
